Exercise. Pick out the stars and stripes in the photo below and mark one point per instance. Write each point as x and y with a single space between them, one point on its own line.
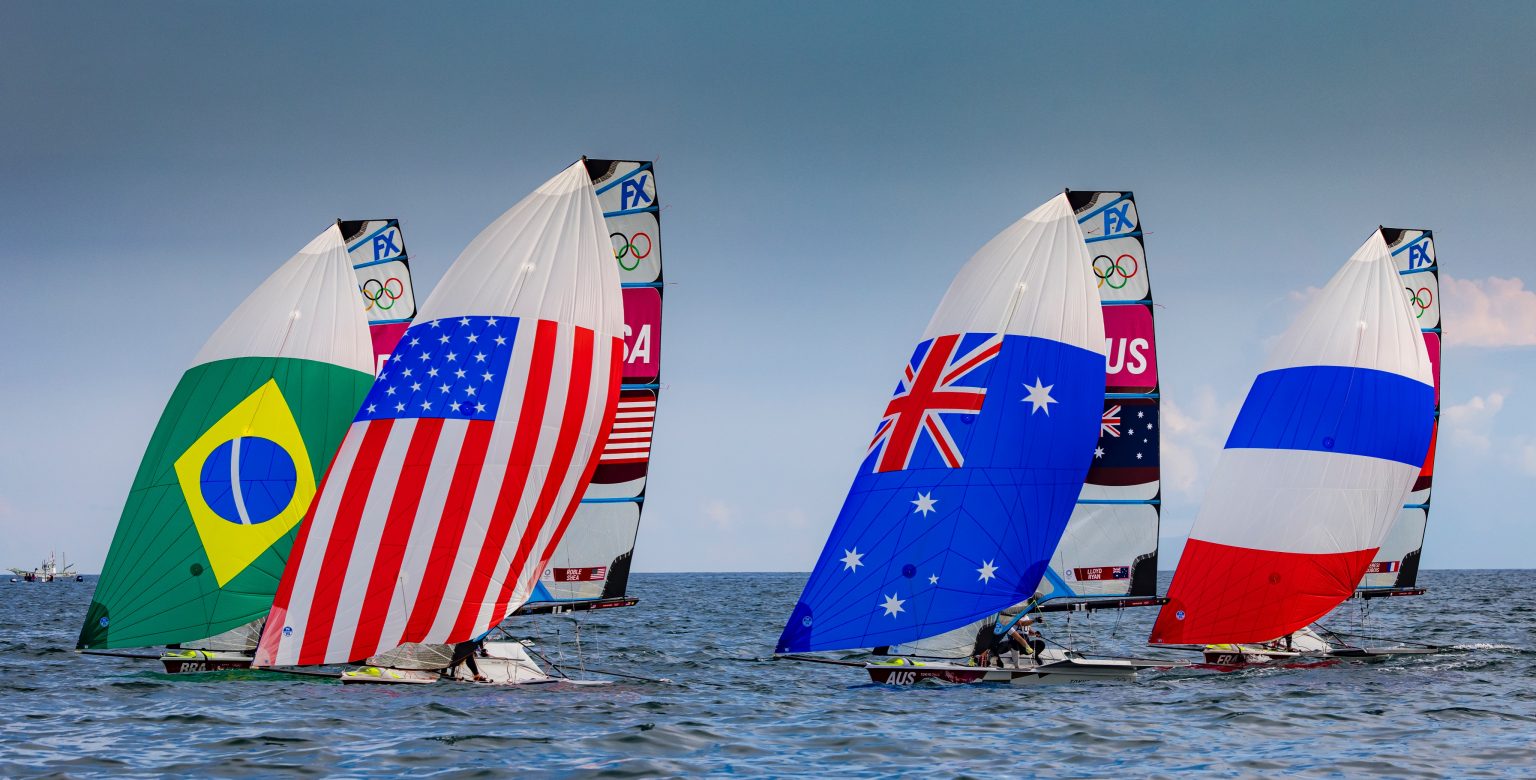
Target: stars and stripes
450 490
630 441
929 389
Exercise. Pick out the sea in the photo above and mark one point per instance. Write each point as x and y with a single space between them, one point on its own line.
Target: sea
706 697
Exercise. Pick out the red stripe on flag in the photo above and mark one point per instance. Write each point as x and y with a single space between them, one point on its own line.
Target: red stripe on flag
530 420
615 379
560 463
1232 594
396 536
338 550
272 634
450 530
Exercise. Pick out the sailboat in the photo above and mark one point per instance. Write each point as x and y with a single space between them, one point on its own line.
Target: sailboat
1329 441
232 465
1107 557
976 465
471 452
589 568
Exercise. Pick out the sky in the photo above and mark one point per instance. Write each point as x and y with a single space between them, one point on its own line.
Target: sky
825 170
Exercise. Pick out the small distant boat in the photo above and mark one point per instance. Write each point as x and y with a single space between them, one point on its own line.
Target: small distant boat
975 467
50 570
1332 437
469 457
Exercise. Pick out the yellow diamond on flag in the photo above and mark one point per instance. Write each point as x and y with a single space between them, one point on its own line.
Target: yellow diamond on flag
247 481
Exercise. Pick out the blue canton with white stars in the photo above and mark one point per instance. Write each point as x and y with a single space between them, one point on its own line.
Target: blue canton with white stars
453 368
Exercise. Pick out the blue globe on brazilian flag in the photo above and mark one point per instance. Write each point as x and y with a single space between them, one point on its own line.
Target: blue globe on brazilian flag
235 459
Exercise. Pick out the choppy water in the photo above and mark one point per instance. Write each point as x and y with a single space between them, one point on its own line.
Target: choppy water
731 709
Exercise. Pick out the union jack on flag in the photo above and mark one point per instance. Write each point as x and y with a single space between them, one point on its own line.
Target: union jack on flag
928 390
1110 424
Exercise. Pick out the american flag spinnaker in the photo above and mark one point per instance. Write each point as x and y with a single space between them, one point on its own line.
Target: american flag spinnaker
472 450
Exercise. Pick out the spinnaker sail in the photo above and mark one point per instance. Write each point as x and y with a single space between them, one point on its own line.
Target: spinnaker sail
1396 566
235 459
590 567
981 453
1110 545
383 266
472 450
1326 446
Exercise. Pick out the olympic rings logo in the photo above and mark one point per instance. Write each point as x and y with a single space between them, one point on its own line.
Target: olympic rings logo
1115 269
381 294
1421 299
631 247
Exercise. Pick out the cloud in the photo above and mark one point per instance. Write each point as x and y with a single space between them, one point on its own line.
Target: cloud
1469 424
1491 312
720 514
1193 437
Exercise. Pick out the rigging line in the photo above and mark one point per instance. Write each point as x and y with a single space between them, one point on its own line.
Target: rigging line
1377 638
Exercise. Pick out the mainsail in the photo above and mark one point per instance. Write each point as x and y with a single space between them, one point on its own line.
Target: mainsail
590 567
470 453
235 459
980 455
1110 545
1326 446
377 250
1396 567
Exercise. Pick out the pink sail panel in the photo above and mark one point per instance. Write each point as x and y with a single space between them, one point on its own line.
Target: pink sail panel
472 450
1326 446
1130 349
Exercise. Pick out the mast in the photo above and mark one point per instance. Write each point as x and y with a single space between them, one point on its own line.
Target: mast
1395 569
979 458
1328 443
1110 545
590 567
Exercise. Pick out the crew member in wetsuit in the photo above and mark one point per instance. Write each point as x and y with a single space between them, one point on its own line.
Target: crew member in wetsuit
1019 637
464 653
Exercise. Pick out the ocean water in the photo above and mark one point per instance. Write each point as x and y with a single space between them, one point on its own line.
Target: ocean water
730 708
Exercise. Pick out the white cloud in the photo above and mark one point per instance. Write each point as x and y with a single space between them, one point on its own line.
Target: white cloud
1193 436
720 514
1469 424
1491 312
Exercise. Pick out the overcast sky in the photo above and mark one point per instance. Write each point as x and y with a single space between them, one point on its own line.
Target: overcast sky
826 169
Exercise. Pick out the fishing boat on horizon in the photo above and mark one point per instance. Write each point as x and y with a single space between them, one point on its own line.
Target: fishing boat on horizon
1315 479
468 460
975 468
49 570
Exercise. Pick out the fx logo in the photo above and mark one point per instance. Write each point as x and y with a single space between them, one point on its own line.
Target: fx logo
1116 220
1418 256
632 194
384 245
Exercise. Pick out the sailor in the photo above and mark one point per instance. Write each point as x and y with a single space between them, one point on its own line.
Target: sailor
464 653
1020 637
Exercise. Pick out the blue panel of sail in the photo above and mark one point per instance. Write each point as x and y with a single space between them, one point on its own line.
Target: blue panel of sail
963 495
1350 411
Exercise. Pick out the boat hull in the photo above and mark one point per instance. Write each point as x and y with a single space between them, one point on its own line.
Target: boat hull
1064 671
194 661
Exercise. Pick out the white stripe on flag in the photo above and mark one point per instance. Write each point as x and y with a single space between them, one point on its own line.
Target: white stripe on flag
370 533
321 522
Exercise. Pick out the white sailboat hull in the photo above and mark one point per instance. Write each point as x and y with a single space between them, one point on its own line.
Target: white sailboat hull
1053 668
